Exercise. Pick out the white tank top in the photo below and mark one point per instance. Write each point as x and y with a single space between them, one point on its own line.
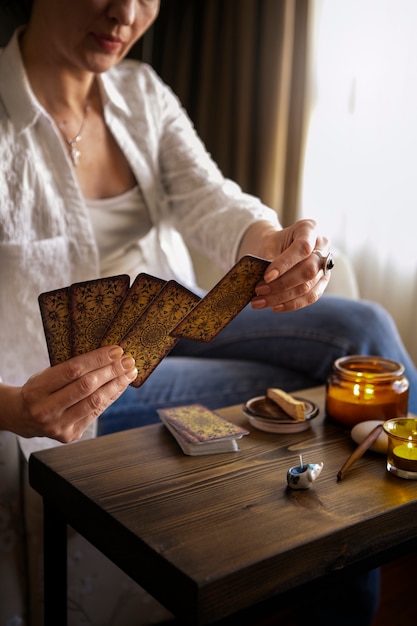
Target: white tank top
119 223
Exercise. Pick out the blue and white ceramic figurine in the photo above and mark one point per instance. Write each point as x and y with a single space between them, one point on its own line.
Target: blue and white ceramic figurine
303 476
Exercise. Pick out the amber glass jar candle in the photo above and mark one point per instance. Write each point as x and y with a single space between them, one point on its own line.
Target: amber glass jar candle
364 388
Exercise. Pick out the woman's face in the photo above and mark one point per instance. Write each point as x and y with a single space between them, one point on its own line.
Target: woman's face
92 35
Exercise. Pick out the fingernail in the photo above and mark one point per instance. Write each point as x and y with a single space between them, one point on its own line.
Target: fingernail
263 290
115 353
258 303
270 276
132 374
128 362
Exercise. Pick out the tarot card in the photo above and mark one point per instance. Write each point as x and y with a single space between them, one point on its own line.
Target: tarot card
141 293
93 305
148 341
227 298
54 307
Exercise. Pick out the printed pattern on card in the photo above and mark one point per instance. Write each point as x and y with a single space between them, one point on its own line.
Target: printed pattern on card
93 305
54 307
231 294
197 424
149 339
140 295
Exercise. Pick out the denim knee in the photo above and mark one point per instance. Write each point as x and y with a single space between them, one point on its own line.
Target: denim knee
371 329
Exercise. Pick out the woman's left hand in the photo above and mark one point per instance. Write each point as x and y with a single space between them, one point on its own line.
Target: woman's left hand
296 276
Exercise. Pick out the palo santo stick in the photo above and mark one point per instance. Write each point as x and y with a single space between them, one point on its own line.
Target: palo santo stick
294 408
359 451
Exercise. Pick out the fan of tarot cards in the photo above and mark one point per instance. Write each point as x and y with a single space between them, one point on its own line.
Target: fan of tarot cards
147 318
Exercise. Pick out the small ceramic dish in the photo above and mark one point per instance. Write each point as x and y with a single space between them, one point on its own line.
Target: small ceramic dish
266 415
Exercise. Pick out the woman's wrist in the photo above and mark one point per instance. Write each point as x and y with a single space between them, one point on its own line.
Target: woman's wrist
255 240
10 402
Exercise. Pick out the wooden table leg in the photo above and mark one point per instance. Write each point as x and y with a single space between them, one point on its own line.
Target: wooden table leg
55 566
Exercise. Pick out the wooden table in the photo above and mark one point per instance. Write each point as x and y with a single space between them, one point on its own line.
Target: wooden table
208 536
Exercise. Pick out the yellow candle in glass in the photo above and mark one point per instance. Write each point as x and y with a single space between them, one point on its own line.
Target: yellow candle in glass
402 446
406 451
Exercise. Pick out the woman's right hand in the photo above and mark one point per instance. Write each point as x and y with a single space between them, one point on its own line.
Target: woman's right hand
62 401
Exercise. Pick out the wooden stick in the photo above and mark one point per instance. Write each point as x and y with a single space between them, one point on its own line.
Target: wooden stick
359 451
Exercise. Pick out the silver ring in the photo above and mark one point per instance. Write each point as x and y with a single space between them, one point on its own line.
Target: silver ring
327 262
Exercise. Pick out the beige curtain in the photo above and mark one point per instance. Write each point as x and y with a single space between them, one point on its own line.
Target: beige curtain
238 67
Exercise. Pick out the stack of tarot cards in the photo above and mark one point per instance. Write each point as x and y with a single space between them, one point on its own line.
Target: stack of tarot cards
198 430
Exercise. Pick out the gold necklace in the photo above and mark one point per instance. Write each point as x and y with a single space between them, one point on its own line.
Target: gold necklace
73 142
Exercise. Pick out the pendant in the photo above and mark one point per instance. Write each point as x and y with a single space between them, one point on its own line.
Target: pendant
74 152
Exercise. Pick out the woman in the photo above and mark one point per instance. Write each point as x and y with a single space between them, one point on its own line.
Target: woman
84 149
102 173
84 139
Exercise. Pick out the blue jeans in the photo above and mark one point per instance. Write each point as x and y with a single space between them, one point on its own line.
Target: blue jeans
261 349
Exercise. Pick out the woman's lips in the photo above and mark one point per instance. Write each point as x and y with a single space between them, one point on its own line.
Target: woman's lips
108 43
